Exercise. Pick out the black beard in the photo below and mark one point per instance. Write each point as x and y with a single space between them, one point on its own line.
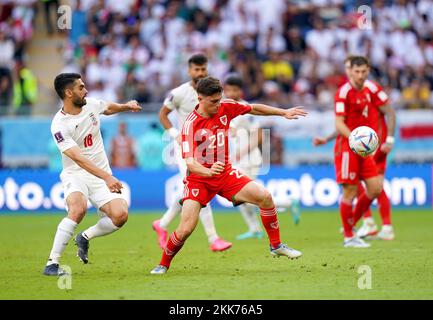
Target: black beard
79 103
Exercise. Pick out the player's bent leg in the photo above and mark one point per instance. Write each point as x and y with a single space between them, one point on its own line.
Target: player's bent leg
188 222
77 207
116 212
258 195
374 188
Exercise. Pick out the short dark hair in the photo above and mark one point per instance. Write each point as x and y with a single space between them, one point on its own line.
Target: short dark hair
63 80
234 80
349 58
359 61
208 86
198 59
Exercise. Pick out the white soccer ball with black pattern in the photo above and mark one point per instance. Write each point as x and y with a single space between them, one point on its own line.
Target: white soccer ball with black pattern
363 141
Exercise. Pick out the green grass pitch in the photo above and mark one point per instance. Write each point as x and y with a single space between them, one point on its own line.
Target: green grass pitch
120 263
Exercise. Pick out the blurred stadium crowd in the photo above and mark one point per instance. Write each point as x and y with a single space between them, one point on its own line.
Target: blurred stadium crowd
288 52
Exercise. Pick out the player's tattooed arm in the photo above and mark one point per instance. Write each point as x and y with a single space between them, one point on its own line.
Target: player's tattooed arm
195 167
75 154
341 127
265 110
114 108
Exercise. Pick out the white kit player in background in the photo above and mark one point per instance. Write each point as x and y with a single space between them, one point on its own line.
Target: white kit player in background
184 99
86 172
247 157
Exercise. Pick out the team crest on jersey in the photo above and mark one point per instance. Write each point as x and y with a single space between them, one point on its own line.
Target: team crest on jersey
94 120
223 120
352 175
195 192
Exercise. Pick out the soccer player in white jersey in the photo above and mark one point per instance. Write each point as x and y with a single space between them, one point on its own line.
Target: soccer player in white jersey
246 139
184 99
86 172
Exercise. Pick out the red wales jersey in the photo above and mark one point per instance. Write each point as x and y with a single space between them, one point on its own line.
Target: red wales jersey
379 99
358 109
206 139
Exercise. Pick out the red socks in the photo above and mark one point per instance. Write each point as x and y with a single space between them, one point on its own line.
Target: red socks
270 222
361 191
171 249
347 218
362 205
384 208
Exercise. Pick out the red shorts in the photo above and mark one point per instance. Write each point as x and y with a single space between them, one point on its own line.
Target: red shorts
226 184
351 168
380 159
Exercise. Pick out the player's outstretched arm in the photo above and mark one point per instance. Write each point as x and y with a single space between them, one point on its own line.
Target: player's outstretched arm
318 141
195 167
265 110
114 108
75 154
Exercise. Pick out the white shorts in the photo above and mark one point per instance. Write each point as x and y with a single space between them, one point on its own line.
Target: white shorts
93 188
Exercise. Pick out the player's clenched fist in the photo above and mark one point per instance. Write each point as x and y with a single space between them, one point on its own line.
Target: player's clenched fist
113 184
294 113
217 168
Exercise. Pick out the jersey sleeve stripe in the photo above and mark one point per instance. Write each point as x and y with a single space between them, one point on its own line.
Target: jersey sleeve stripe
344 90
371 85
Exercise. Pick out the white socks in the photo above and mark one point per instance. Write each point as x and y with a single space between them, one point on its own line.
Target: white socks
174 209
206 219
249 214
283 204
65 231
103 227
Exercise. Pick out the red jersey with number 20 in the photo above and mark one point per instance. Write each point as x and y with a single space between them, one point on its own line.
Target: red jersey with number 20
206 139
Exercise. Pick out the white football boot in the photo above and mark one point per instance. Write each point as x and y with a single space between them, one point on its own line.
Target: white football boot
355 242
387 233
284 250
368 229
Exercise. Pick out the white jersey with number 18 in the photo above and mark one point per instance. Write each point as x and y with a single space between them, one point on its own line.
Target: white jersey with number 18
82 130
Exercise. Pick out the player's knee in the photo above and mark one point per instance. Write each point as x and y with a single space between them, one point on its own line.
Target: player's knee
77 211
266 200
375 191
121 217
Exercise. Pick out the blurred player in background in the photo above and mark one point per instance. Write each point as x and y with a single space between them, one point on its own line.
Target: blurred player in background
122 149
353 108
86 172
247 157
205 149
184 99
385 131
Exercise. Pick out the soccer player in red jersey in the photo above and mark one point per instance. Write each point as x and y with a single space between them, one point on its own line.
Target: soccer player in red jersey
353 108
385 130
205 149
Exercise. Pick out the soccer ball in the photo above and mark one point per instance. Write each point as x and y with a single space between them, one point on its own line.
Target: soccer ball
363 141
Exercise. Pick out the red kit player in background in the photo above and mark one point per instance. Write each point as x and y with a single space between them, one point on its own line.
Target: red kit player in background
385 131
205 149
353 108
